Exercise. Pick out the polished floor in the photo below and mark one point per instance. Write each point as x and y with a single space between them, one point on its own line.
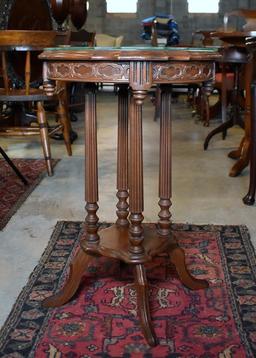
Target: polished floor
202 190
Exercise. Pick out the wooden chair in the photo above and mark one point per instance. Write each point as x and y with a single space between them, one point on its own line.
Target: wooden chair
12 43
82 38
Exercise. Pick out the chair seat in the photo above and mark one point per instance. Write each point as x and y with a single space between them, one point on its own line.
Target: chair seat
19 95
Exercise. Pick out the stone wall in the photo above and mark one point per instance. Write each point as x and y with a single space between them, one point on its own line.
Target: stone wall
129 25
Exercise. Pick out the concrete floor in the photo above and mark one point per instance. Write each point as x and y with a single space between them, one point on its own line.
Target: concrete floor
202 190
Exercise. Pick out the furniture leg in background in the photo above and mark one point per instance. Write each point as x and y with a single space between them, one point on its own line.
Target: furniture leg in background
249 198
13 166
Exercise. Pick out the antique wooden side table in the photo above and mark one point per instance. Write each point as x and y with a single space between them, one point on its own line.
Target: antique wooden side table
134 70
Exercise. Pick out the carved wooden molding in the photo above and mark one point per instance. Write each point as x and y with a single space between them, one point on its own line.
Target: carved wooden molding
139 74
182 72
90 72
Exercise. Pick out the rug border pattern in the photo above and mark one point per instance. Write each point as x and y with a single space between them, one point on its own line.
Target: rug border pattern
220 229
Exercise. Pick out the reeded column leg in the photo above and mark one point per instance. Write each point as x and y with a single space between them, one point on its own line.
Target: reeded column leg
136 200
91 168
122 157
81 260
137 252
165 164
249 198
141 286
176 254
76 271
41 118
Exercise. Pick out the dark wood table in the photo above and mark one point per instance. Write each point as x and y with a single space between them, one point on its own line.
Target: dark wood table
134 70
235 52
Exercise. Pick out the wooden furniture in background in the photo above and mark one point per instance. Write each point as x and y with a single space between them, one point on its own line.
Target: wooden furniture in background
82 38
60 11
20 15
238 53
78 12
249 15
12 42
249 198
229 85
202 37
24 15
13 166
136 69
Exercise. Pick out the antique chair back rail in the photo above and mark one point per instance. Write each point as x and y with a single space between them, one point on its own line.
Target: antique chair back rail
35 40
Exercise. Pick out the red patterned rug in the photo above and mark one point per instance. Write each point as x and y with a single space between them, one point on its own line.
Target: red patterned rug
101 320
13 192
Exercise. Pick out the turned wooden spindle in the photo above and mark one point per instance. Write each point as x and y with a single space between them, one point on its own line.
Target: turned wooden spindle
165 163
5 73
27 72
63 114
41 118
122 157
136 197
91 167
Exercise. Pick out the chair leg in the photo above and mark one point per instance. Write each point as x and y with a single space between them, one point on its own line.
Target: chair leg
41 117
64 120
13 166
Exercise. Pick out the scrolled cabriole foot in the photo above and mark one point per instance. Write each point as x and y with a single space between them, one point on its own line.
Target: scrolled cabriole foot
177 257
77 269
143 305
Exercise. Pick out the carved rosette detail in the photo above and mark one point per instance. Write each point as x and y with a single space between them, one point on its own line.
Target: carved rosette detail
107 72
182 72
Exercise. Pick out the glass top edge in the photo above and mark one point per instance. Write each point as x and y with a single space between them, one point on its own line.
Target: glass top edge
130 48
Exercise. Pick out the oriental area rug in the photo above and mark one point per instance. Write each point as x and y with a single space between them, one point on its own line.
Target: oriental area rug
13 192
101 320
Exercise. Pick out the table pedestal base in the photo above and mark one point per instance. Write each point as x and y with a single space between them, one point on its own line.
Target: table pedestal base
114 243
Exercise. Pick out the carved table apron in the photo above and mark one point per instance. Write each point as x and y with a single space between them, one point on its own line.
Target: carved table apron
134 70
